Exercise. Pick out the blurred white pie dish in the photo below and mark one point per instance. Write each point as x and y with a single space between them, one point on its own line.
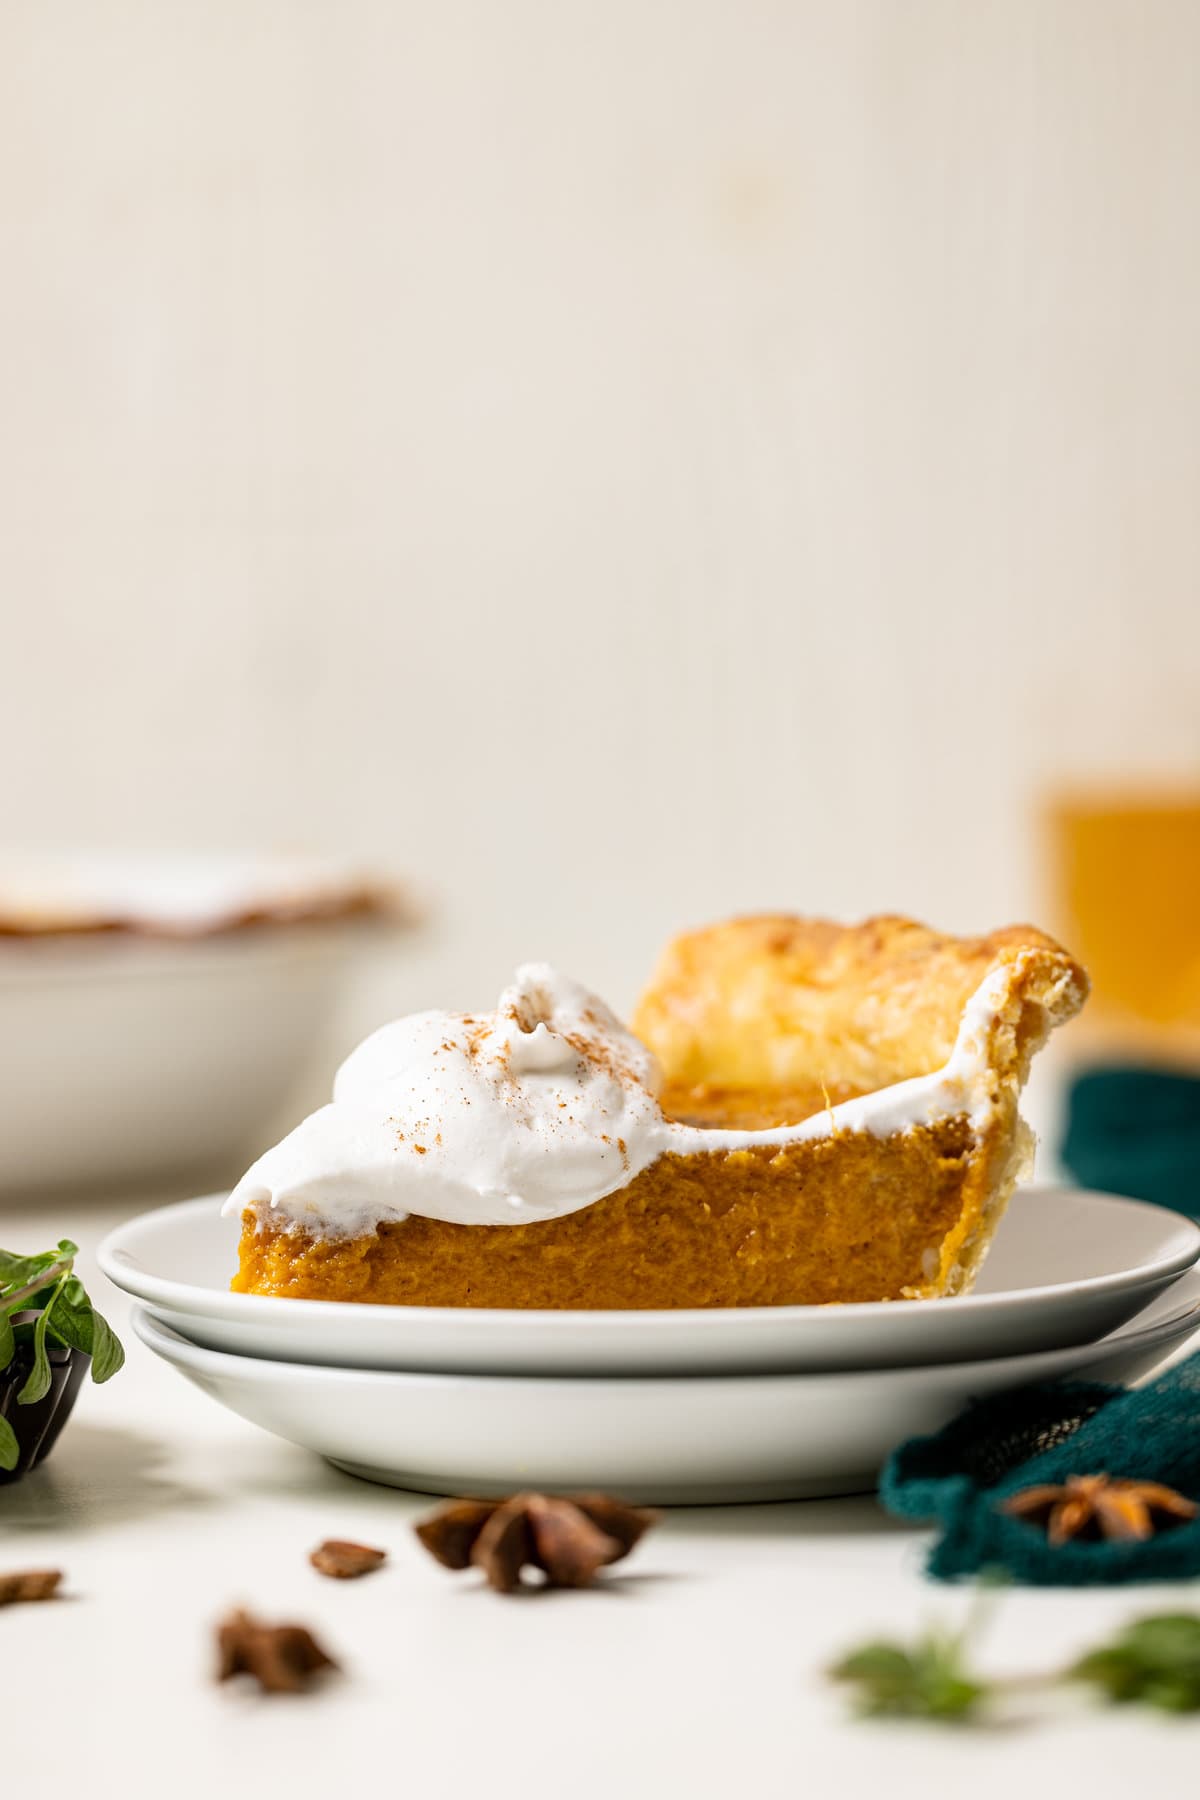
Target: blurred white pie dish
1066 1267
690 1440
156 1011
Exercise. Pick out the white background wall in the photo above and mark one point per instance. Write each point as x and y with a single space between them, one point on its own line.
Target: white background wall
621 462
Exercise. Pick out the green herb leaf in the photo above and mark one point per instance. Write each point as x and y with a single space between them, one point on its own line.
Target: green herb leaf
19 1271
928 1681
107 1353
1156 1661
71 1320
37 1385
65 1316
9 1448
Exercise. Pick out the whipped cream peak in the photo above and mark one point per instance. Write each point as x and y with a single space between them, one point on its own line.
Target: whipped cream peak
540 1051
546 1021
531 1111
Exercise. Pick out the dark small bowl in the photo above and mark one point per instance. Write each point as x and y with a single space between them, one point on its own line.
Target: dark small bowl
37 1426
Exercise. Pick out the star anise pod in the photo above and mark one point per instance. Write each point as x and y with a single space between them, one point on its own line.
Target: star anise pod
568 1538
1100 1506
281 1658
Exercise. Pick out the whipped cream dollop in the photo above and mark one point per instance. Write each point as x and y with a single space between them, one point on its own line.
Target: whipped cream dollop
539 1109
528 1112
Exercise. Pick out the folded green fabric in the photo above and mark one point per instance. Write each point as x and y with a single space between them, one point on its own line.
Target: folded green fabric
1136 1131
1046 1434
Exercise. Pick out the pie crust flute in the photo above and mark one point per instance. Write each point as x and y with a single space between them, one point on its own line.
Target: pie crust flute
839 1123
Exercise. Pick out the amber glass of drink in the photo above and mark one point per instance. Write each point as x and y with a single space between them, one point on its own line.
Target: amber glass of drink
1128 874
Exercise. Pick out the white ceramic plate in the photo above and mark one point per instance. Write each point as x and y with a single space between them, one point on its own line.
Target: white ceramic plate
683 1440
1066 1267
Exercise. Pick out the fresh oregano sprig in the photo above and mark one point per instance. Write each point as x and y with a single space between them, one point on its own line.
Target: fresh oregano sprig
928 1679
47 1288
924 1680
1154 1661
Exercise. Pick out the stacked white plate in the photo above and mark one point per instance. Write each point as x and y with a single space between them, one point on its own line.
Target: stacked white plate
761 1403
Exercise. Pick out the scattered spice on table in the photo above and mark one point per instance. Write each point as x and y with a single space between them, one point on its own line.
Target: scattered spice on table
28 1585
283 1659
343 1560
568 1538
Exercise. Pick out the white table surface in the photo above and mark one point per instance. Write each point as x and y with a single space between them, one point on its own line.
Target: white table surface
695 1671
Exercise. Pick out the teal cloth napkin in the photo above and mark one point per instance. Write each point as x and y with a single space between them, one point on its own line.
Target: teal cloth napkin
1045 1434
1136 1131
